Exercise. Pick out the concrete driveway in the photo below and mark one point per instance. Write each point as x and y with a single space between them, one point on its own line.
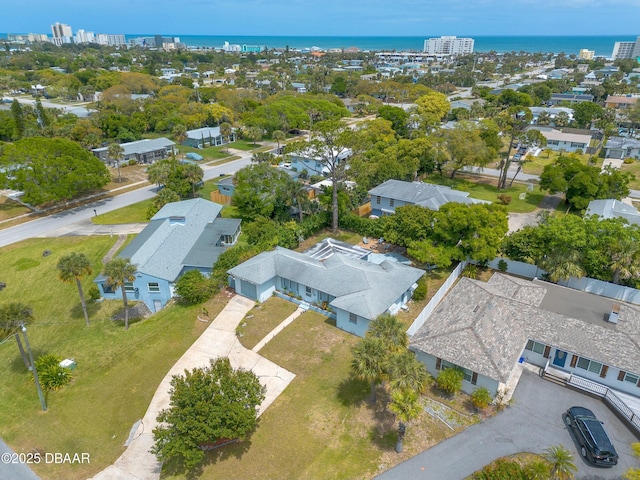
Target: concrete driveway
532 423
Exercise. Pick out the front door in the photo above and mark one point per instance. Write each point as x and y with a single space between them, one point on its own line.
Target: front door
559 358
157 305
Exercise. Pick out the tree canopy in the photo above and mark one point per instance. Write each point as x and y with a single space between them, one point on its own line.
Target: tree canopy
50 170
261 191
209 404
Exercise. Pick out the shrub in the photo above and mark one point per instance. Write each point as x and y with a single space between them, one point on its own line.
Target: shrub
450 380
502 266
504 199
628 161
470 271
481 398
50 374
194 287
420 292
93 293
501 469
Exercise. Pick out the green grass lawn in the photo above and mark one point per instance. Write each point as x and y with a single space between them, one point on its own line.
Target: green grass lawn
633 168
245 145
536 166
134 213
117 371
262 319
10 208
484 189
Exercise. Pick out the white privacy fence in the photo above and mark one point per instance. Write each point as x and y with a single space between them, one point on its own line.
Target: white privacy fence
433 303
590 285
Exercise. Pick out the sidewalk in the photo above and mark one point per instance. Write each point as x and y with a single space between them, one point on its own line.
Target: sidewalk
218 340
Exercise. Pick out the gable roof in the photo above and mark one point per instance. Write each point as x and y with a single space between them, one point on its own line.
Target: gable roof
485 326
205 132
551 133
611 208
360 287
426 195
141 146
180 234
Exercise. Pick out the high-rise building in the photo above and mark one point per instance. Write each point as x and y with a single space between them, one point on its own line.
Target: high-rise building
84 37
623 50
586 54
61 33
110 39
448 45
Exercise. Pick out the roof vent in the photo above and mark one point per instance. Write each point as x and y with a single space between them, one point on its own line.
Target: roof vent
615 312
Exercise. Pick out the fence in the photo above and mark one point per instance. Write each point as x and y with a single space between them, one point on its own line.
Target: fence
590 285
433 303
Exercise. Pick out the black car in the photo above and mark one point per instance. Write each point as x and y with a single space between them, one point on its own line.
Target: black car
595 445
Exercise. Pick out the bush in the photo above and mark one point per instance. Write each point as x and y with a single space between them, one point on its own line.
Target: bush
50 374
420 293
93 293
501 469
503 266
504 199
450 380
628 161
194 287
470 271
481 398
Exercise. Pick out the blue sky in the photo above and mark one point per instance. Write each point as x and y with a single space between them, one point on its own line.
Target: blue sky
327 17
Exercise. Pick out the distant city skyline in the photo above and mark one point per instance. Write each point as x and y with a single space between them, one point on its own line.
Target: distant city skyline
330 17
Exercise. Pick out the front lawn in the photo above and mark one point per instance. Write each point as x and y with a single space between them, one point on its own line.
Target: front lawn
117 371
134 213
10 208
321 426
633 168
263 318
485 189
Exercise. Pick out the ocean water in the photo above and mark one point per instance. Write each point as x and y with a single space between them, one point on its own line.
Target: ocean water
602 45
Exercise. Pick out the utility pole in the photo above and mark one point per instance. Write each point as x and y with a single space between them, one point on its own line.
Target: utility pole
33 368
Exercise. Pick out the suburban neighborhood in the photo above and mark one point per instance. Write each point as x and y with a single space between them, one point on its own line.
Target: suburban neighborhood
310 263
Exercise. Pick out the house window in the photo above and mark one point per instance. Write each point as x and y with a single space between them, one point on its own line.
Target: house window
535 347
106 288
289 285
128 287
378 200
153 286
353 318
308 291
468 375
392 202
631 378
553 142
589 365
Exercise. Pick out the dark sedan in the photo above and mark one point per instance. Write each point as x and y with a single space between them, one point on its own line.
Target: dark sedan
594 442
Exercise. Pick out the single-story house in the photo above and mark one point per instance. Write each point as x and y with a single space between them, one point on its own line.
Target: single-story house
207 137
611 208
340 280
552 111
488 329
182 236
558 98
621 147
388 196
299 87
306 160
563 139
467 103
142 151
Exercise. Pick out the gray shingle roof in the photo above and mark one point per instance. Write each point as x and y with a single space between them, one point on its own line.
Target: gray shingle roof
426 195
484 327
161 249
142 146
612 208
205 132
360 287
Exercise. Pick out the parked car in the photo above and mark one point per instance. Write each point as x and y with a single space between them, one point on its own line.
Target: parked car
594 442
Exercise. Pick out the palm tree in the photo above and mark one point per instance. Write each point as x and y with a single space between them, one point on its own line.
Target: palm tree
562 466
392 332
538 470
625 261
12 316
297 195
369 362
407 373
74 267
116 153
406 407
160 172
563 265
179 133
255 134
194 174
279 136
120 271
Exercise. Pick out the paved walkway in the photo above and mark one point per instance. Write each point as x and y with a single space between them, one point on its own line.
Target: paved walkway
218 340
299 311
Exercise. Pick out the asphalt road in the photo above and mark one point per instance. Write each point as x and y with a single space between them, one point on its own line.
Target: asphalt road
42 226
532 423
